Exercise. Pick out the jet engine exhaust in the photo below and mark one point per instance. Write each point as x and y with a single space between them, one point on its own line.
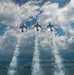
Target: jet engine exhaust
58 62
36 67
13 64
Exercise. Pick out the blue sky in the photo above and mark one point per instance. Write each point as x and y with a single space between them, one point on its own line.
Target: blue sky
15 44
2 29
61 3
55 11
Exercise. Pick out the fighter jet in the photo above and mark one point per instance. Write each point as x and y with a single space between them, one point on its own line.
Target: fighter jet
51 26
37 26
22 27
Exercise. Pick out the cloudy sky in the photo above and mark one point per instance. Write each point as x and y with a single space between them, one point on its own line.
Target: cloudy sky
14 12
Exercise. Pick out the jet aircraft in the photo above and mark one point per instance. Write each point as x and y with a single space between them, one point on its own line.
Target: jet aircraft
50 26
37 26
22 27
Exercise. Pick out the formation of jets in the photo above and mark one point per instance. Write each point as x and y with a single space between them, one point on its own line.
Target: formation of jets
37 26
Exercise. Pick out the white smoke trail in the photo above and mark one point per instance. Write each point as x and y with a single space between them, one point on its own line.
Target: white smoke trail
59 66
13 65
36 67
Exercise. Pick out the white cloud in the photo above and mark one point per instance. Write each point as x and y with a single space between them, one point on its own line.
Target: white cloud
45 39
36 1
12 14
29 10
5 0
61 17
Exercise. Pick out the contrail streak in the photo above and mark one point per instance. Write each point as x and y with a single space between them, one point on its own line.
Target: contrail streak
59 66
13 65
36 67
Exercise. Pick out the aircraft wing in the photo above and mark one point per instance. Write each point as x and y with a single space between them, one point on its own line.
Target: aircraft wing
48 26
33 26
52 26
25 26
20 27
40 26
